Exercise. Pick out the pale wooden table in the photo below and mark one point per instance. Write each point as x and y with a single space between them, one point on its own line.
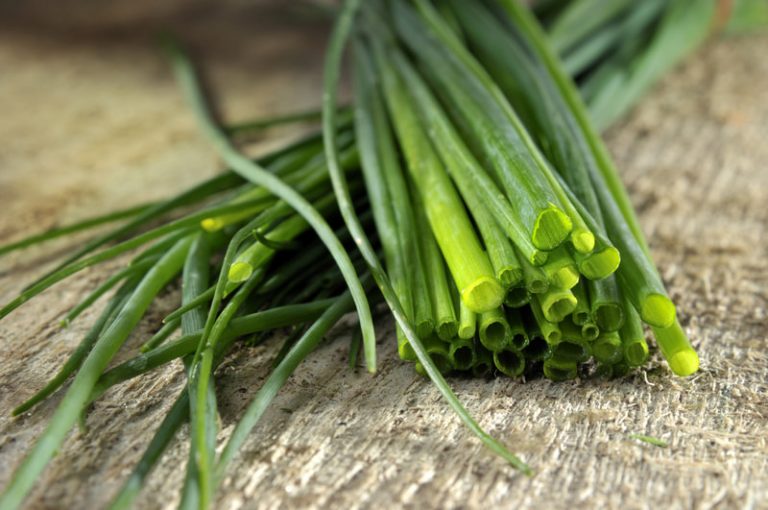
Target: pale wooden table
90 120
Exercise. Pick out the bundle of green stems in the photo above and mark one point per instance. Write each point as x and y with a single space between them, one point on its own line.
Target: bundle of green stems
470 163
506 231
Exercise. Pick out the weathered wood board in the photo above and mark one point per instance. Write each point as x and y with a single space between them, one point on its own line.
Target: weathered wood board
90 120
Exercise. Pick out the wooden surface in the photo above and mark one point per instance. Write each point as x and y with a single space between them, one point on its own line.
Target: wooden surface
90 121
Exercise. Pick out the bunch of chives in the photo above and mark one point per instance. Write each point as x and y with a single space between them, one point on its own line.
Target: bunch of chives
480 130
508 241
251 225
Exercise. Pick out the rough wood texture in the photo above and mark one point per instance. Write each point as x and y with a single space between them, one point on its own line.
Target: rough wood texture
83 112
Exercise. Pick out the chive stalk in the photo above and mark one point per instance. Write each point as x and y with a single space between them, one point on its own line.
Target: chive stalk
162 334
538 348
608 348
443 311
465 170
550 330
654 305
179 228
570 351
266 320
79 226
483 366
253 172
572 332
606 306
74 401
495 128
677 350
509 361
303 347
106 286
339 37
200 381
261 252
557 370
493 330
556 304
581 314
536 281
590 331
162 437
519 339
389 200
461 352
517 297
439 353
633 338
467 322
448 220
75 360
560 269
423 254
195 279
